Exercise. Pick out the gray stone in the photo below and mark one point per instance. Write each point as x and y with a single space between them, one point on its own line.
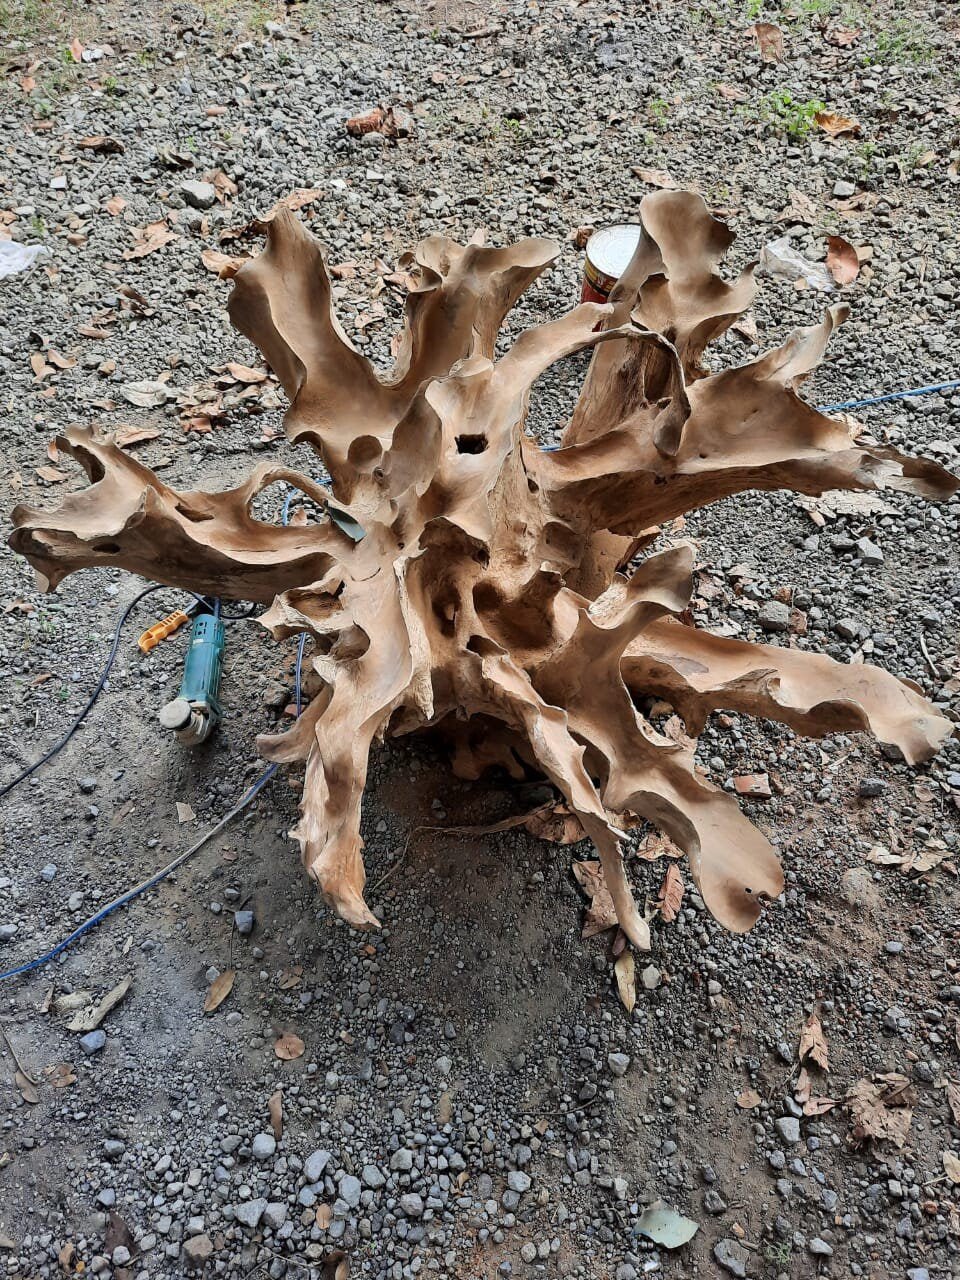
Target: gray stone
732 1257
264 1146
650 977
372 1177
350 1190
244 921
275 1215
518 1181
201 195
774 616
197 1251
412 1205
843 190
402 1161
93 1041
819 1248
713 1202
857 888
788 1128
7 932
871 787
249 1212
869 552
315 1164
618 1063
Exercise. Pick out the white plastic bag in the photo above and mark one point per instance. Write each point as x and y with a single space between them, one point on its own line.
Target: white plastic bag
781 259
16 257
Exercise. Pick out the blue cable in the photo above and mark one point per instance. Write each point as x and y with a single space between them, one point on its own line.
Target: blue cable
893 395
155 879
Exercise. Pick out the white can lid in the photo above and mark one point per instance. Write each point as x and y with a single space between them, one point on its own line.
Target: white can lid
611 248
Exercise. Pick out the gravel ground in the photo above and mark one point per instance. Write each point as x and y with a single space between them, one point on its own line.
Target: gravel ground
472 1100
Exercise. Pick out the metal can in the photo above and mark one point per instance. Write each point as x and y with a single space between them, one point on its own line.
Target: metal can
609 251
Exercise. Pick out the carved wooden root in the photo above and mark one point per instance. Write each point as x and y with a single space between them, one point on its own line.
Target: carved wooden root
484 593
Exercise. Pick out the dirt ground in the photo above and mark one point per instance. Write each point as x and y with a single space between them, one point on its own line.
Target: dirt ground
477 1037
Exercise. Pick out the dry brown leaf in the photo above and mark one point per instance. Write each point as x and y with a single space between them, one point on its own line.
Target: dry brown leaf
625 972
127 436
344 271
800 209
115 206
223 184
184 812
881 1108
291 978
656 178
836 125
654 845
842 260
671 893
953 1093
52 475
288 1046
200 423
601 913
224 265
731 93
818 1106
813 1043
770 39
220 988
149 240
59 361
101 144
324 1216
951 1167
749 1099
275 1108
28 1088
843 37
555 823
243 373
61 1075
40 367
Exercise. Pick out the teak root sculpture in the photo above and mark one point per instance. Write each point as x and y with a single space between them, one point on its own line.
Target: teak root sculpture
489 592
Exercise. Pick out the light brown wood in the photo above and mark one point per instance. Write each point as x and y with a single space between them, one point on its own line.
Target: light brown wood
484 597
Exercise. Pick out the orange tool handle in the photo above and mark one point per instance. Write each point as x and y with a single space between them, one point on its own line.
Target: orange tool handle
160 630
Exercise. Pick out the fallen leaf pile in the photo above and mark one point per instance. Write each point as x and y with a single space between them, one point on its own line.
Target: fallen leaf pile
881 1108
